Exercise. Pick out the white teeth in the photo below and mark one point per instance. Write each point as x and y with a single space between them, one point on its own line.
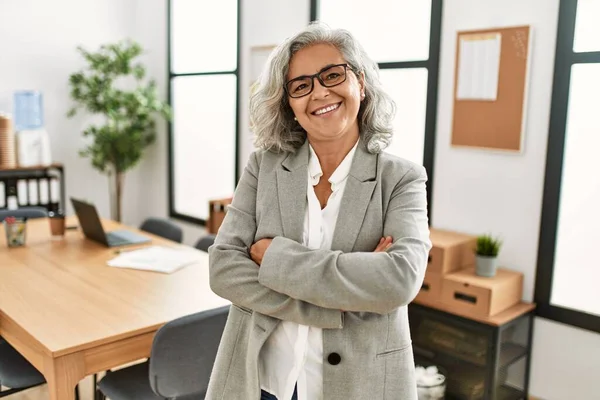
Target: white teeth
326 109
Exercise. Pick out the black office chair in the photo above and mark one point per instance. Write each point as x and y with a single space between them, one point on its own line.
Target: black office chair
163 228
205 242
181 360
17 373
24 212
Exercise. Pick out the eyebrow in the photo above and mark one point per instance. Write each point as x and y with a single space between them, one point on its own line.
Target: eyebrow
307 76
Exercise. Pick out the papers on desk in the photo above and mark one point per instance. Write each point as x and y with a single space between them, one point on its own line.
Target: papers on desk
155 258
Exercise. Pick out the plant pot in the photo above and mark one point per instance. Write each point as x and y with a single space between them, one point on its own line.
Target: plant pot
486 266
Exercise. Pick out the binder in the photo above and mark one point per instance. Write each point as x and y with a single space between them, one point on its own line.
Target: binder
2 195
33 192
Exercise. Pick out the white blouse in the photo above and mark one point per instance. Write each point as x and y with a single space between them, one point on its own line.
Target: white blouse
293 354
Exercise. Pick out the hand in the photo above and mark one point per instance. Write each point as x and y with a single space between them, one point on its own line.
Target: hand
258 249
384 244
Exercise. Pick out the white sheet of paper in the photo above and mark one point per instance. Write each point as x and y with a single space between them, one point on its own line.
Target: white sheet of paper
479 67
155 258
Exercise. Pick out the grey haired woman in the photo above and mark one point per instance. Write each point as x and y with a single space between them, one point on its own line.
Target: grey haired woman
327 238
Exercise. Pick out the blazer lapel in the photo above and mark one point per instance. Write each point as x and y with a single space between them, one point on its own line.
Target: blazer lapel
292 181
355 201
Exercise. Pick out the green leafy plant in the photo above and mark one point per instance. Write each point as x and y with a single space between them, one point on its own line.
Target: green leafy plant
113 86
488 246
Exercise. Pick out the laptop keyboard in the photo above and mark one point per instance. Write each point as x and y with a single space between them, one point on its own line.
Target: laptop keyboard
121 237
115 240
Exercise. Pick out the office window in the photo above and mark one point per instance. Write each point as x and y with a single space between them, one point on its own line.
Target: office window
203 91
405 42
568 269
396 19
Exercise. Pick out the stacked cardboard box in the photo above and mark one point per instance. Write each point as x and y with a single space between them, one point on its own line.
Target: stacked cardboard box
216 213
451 251
451 283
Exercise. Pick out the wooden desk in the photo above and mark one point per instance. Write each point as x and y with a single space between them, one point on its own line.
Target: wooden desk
71 315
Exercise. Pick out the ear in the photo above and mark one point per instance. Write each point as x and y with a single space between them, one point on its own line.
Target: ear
361 84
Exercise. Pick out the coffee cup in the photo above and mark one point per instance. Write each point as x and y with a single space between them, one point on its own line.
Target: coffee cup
57 224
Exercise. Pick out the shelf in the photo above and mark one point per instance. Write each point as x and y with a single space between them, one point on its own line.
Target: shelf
506 392
34 168
499 319
510 353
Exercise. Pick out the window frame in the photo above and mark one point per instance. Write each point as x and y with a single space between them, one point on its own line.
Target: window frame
432 66
565 58
170 132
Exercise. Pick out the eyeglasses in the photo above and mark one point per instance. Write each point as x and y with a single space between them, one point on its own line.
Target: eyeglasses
329 76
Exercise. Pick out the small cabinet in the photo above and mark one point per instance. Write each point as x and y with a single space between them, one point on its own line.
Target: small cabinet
480 359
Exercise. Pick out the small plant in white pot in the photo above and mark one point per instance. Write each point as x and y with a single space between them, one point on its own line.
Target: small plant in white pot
487 255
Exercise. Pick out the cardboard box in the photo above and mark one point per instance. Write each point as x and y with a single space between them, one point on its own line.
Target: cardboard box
216 213
451 251
479 296
431 289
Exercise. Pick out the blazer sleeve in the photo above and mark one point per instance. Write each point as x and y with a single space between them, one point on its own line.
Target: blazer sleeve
234 275
360 281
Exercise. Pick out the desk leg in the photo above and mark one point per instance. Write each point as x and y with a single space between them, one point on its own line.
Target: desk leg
63 374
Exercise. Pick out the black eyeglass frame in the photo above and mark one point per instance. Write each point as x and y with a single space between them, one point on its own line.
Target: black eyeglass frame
317 75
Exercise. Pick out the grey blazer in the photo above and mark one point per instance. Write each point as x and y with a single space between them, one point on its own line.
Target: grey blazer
367 347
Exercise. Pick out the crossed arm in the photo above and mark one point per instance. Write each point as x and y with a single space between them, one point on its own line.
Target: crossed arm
311 286
376 282
234 275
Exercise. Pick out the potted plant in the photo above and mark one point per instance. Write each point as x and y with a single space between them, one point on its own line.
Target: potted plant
486 254
112 86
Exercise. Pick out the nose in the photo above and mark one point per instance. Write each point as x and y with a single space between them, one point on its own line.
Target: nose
319 91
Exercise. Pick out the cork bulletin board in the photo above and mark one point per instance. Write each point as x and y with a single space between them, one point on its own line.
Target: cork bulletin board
490 90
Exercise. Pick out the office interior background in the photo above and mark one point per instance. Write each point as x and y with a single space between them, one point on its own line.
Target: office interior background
208 79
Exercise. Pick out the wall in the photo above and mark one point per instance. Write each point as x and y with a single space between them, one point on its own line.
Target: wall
480 191
38 41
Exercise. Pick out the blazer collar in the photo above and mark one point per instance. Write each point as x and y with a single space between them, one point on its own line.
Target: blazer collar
364 165
298 159
292 182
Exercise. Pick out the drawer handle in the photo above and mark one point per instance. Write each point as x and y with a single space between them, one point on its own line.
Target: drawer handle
425 287
465 297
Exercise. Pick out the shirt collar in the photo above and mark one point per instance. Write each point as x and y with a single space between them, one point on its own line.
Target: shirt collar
341 172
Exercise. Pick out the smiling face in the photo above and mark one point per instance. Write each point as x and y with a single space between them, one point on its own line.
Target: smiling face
327 113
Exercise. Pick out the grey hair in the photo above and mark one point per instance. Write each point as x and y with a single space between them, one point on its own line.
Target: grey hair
271 117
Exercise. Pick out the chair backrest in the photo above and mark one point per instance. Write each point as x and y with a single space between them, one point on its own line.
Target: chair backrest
205 242
24 212
164 228
184 351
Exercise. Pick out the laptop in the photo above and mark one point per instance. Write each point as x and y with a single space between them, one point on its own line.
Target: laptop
93 230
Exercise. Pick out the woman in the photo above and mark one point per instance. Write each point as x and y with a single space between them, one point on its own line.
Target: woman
327 239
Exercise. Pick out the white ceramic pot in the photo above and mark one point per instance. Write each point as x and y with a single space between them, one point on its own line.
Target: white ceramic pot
486 266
